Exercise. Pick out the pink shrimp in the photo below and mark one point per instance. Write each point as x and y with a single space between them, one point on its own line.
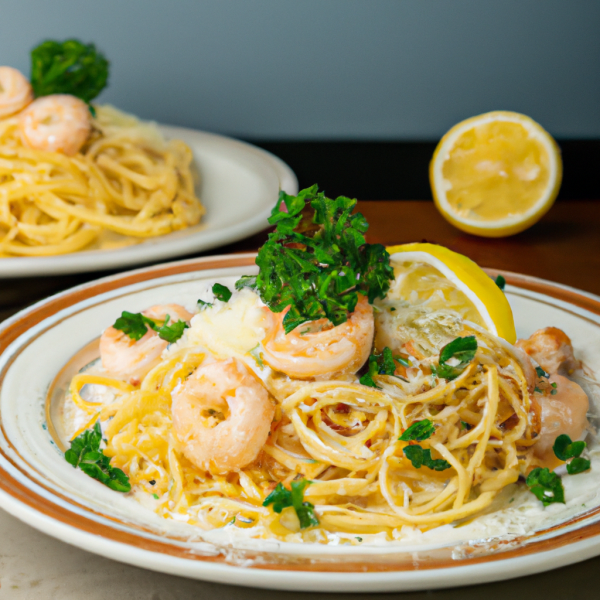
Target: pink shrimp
563 408
56 123
15 91
565 412
229 390
318 348
132 360
552 349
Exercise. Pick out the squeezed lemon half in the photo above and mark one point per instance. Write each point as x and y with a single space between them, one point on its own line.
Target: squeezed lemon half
495 174
445 279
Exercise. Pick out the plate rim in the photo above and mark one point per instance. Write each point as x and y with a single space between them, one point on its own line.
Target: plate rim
564 548
140 254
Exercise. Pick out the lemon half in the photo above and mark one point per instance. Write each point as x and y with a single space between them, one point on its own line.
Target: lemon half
495 174
427 272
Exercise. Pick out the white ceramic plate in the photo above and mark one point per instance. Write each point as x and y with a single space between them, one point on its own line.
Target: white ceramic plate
239 184
39 487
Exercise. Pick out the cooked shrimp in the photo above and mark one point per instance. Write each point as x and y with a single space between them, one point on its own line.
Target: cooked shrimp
132 360
224 388
319 348
565 412
56 123
552 349
15 91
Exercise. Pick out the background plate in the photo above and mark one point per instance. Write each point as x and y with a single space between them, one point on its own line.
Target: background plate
239 184
40 488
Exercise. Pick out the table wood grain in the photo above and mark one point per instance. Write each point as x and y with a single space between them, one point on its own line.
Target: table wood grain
563 247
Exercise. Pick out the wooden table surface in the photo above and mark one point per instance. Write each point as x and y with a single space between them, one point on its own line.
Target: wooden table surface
563 247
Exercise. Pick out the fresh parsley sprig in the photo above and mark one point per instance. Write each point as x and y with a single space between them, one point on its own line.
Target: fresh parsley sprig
418 431
381 364
418 456
85 453
282 498
135 325
565 449
462 349
68 67
221 292
546 486
317 260
422 457
500 282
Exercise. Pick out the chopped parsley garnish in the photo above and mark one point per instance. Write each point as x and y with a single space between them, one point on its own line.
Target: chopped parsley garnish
565 449
244 281
68 67
359 539
465 425
155 496
221 292
541 373
135 325
546 486
281 498
418 431
202 305
317 260
171 333
420 457
85 453
500 282
462 349
381 364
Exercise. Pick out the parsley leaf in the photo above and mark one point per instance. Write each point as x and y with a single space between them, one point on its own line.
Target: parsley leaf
68 67
135 325
85 453
202 305
578 465
248 281
418 431
281 498
420 457
317 260
546 486
381 364
463 349
221 292
171 333
564 448
541 373
500 282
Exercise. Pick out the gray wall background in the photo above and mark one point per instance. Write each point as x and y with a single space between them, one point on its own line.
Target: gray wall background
331 69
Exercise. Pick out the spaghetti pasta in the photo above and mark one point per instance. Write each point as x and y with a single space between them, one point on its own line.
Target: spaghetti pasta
346 438
126 180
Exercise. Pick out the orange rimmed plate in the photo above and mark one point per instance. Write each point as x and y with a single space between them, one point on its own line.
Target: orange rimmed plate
43 343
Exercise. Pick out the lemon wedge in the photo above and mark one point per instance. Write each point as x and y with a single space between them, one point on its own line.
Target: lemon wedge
495 174
445 279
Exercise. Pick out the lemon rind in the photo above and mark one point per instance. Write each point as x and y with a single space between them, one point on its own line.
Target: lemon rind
470 278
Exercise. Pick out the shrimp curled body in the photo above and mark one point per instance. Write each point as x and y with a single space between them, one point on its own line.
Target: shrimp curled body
227 388
317 348
565 412
56 123
132 360
15 91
